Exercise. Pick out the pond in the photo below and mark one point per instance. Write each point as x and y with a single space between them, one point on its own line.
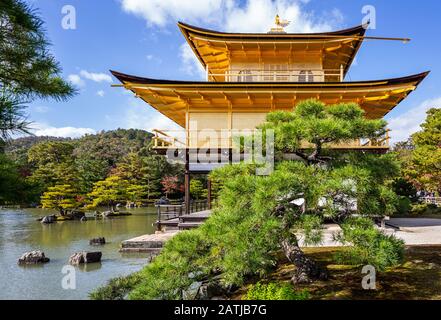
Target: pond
20 232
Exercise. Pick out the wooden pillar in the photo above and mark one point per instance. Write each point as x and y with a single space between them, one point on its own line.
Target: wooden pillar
342 73
187 182
209 193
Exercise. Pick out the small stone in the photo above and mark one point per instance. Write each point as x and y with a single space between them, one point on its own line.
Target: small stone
192 292
49 219
97 241
85 257
77 215
83 219
33 257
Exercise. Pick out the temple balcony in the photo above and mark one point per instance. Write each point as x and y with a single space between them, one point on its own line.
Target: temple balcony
182 139
293 75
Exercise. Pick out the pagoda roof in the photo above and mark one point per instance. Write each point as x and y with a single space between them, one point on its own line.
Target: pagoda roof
214 49
175 98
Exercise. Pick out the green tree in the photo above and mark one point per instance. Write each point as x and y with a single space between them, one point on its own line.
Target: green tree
257 216
147 171
27 69
14 188
154 168
137 194
197 189
423 168
88 171
109 192
61 198
312 127
53 163
13 119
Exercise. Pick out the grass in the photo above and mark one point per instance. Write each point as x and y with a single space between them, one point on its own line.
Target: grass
417 278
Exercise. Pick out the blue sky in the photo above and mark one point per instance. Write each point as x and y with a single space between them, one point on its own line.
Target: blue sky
140 37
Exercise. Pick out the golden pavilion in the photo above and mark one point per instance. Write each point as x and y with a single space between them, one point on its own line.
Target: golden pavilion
251 74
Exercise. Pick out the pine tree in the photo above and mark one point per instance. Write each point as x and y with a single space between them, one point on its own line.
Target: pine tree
27 69
109 192
197 190
61 198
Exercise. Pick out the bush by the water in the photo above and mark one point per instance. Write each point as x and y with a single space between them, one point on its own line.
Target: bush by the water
117 288
368 245
275 291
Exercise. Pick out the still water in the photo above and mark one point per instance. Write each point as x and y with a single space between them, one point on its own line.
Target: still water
20 232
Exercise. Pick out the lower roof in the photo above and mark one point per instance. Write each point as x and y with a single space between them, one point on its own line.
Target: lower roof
175 98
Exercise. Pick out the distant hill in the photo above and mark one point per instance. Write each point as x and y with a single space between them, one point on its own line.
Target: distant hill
110 146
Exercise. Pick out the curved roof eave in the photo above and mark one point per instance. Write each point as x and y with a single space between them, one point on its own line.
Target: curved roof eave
358 30
124 78
354 31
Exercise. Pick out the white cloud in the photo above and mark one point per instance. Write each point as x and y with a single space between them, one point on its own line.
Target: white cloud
76 80
139 116
190 63
258 16
100 93
96 77
41 109
231 16
149 57
404 125
162 12
41 129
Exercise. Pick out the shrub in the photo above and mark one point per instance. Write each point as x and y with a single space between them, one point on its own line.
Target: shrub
275 291
175 269
368 245
117 288
404 205
425 208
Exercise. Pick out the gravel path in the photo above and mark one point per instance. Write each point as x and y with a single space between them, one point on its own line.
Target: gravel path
414 231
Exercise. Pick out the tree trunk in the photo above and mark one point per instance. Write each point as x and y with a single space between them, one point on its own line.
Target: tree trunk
307 270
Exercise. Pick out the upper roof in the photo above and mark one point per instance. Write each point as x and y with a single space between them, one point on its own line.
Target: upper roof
175 98
215 49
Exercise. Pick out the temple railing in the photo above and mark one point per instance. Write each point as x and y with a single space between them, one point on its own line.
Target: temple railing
167 138
169 212
295 75
180 139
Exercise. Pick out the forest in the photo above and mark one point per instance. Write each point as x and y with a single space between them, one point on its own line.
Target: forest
104 169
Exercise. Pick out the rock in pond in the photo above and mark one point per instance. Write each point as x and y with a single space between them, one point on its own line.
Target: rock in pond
83 219
49 219
77 215
33 257
85 257
97 241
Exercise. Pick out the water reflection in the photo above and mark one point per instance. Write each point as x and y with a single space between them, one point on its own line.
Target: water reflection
20 232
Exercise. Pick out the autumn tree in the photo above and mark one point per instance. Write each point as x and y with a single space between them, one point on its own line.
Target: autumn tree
170 185
61 198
